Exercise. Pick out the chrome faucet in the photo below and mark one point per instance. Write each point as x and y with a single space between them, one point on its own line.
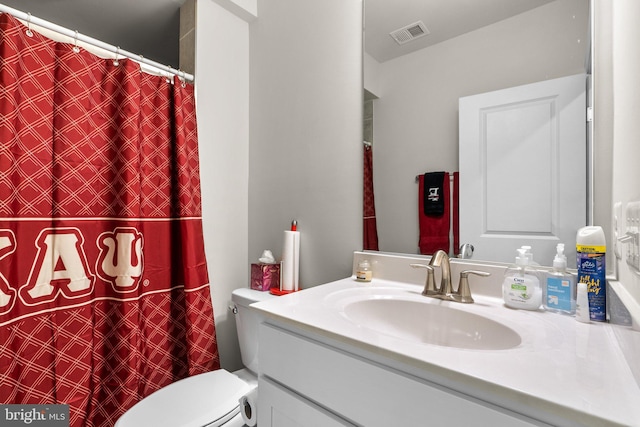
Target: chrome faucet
445 290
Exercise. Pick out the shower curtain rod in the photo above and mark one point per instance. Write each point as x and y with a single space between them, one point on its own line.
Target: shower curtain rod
119 53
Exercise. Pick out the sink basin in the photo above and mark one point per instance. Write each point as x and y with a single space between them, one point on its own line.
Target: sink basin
431 323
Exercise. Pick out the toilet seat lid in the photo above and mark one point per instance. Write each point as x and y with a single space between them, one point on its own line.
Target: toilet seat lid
191 402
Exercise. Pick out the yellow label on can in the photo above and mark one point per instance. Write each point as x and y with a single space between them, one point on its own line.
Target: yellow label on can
590 249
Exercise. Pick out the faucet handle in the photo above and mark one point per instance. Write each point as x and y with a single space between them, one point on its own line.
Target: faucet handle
430 284
463 294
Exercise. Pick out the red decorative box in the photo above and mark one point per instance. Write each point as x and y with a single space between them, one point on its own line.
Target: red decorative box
265 276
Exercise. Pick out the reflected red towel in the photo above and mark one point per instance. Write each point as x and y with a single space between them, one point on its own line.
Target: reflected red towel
434 229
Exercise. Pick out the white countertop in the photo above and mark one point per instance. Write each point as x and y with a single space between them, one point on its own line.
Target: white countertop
562 368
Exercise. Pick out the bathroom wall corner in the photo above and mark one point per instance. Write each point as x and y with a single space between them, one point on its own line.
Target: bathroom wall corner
222 97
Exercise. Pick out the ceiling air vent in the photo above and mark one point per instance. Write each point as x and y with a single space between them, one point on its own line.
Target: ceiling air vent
409 33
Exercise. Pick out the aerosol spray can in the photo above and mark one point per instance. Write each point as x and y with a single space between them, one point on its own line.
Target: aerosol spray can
590 254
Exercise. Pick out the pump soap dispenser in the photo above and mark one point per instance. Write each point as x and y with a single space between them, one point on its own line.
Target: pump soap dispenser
560 286
521 287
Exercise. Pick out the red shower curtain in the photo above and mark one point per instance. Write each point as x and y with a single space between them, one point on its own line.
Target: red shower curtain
103 280
369 224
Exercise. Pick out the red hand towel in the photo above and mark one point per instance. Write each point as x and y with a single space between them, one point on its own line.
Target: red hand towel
434 230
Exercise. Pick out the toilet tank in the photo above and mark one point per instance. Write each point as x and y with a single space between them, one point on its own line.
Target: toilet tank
247 322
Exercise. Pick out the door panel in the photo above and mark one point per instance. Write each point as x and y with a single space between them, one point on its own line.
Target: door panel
523 169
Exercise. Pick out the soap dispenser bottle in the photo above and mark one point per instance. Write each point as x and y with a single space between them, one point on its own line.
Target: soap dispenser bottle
560 286
521 286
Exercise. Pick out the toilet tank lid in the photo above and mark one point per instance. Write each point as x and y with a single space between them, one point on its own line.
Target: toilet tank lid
246 296
191 402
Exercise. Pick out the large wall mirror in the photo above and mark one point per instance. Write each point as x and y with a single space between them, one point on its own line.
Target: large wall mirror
416 87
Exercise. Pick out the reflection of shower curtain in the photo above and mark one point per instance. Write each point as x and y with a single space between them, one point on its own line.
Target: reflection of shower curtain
103 280
370 228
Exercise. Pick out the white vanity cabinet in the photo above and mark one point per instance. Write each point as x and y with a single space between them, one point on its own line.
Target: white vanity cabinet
282 407
351 353
307 380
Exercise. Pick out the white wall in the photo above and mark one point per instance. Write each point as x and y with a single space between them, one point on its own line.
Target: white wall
306 133
603 119
222 97
371 74
416 117
295 153
322 187
626 145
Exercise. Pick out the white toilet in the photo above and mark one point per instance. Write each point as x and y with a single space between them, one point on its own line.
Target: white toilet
211 399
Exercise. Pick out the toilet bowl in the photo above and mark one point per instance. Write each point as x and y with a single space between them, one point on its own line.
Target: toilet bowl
211 399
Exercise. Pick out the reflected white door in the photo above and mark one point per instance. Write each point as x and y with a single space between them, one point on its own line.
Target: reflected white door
522 160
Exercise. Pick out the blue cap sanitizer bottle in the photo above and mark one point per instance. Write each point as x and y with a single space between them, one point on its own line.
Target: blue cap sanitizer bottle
560 286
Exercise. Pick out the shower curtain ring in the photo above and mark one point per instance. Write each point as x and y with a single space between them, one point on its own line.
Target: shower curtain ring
115 60
29 32
183 79
76 49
